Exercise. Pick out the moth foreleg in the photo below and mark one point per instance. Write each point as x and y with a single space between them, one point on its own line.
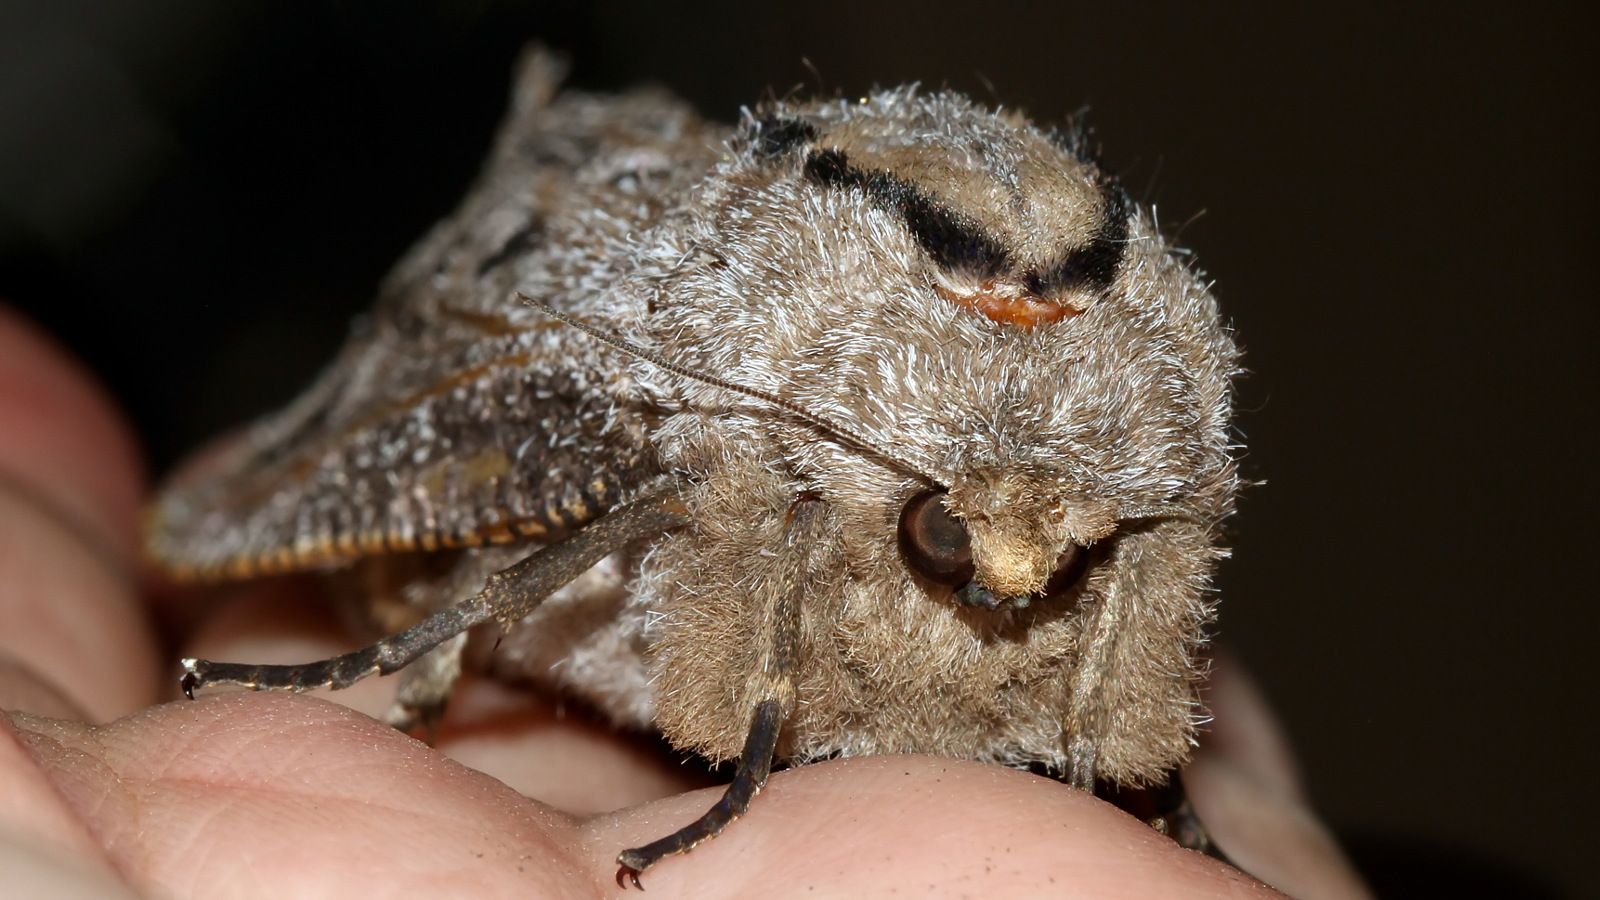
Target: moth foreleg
1081 752
755 763
508 595
778 607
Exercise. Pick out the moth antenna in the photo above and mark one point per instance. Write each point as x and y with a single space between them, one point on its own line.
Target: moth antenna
825 423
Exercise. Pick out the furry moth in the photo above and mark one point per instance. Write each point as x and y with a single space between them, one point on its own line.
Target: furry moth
861 427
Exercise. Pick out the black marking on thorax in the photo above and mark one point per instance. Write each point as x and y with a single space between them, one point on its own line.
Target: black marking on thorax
959 244
1095 264
772 137
954 241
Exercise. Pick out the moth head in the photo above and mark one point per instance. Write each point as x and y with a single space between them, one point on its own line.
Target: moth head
999 537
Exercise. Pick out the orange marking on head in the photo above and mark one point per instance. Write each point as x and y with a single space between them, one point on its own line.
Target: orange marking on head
1022 309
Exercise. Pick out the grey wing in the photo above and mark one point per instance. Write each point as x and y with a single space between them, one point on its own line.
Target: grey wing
455 416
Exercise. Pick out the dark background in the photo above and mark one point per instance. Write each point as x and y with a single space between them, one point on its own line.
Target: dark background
1398 207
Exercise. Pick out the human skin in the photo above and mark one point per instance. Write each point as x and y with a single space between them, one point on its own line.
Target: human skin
110 786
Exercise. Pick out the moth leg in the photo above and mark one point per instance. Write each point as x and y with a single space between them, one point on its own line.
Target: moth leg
388 655
755 764
778 602
1133 691
508 595
1166 809
1176 819
425 688
1081 752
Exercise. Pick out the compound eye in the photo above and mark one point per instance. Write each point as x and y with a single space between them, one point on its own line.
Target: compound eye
934 542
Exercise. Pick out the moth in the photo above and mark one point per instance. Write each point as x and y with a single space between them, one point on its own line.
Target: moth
876 426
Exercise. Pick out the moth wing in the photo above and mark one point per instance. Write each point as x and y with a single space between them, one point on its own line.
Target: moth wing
491 451
454 415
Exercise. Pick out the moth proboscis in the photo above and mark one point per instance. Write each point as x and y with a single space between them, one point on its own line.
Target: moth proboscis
860 427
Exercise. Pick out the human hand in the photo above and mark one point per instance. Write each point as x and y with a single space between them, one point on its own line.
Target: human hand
108 791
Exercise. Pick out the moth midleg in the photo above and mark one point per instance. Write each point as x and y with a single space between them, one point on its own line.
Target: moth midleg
779 609
1177 819
425 687
507 596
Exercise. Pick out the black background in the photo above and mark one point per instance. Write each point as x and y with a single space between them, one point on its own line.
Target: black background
1397 207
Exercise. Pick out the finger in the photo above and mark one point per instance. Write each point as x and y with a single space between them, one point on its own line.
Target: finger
24 690
1245 787
1245 731
37 825
65 439
261 795
67 616
544 750
559 755
875 826
35 872
68 491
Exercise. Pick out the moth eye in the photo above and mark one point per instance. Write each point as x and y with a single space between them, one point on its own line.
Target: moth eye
934 542
1070 566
